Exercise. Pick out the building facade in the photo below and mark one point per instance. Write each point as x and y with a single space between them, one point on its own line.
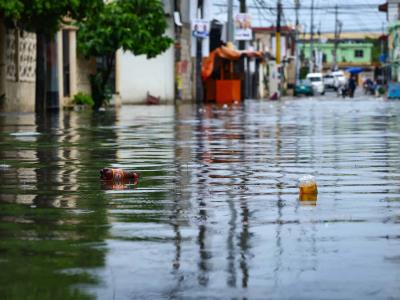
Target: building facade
276 77
348 54
171 75
65 72
139 76
17 70
392 10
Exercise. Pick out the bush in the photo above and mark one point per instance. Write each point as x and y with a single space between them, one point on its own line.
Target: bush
83 99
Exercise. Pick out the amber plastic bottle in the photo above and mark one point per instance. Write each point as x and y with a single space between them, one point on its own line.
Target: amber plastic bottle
118 175
308 185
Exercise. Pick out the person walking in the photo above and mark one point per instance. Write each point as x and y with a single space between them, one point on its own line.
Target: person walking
352 86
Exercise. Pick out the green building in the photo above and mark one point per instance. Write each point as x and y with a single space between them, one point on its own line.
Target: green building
394 50
348 54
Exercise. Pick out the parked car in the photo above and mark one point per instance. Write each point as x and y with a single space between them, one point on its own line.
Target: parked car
340 79
329 81
303 87
317 82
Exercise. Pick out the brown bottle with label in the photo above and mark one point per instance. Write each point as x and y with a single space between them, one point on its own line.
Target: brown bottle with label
112 174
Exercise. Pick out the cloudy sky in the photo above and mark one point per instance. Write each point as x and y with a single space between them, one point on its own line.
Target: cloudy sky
356 15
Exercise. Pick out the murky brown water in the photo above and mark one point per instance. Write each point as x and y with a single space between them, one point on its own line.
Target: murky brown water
216 214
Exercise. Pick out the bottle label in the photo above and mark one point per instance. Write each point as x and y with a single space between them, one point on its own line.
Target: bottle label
118 174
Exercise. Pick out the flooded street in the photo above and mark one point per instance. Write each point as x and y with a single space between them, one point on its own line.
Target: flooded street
216 213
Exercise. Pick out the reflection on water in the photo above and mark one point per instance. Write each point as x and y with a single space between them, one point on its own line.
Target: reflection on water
216 213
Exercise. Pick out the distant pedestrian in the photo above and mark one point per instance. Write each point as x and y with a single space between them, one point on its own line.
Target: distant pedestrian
352 86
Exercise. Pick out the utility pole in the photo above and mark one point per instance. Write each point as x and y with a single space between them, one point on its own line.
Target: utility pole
178 35
383 32
278 48
336 39
230 21
199 57
278 33
243 9
246 63
311 67
297 6
383 60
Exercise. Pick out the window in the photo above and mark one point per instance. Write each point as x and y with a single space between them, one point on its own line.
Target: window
358 53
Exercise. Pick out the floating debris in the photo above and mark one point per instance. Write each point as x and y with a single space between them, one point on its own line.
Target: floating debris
112 174
308 185
310 198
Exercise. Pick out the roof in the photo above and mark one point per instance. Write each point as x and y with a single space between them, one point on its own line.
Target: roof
345 35
273 29
341 45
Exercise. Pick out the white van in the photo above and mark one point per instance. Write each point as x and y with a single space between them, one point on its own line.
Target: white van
329 81
317 82
340 79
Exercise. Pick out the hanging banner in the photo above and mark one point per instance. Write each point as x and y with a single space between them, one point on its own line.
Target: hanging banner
200 28
243 27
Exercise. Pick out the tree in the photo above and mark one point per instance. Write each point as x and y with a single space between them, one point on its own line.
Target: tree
44 17
131 25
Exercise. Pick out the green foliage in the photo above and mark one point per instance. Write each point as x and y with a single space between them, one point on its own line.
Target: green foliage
101 92
11 8
45 16
83 99
132 25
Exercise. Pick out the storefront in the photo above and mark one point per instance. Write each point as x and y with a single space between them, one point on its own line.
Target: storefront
227 73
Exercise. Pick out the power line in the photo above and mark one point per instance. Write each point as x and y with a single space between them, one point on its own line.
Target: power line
272 8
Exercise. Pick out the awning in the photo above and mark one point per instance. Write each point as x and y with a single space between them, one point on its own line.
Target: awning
225 53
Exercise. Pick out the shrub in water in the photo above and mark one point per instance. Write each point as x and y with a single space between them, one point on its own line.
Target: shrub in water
83 99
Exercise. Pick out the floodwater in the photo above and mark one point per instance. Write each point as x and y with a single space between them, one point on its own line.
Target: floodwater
216 213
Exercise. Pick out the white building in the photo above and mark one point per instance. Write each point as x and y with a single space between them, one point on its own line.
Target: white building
138 75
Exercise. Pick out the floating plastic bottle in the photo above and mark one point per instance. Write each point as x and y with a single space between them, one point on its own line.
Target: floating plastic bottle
308 199
308 185
111 174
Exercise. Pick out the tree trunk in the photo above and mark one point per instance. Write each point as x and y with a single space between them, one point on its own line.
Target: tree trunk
99 83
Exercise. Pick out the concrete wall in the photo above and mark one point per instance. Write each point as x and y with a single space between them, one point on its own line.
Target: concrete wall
184 74
84 68
80 68
17 71
139 75
264 41
19 97
393 10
